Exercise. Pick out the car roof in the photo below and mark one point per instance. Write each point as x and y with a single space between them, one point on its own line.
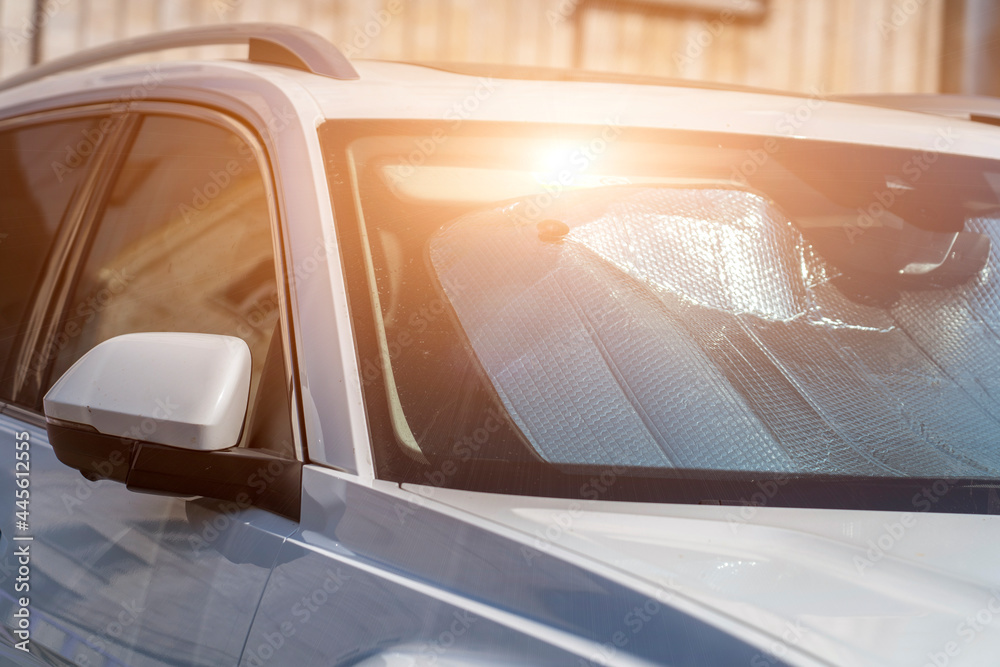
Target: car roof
454 93
393 90
537 73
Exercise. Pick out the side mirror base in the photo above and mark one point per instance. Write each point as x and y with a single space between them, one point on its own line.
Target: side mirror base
248 477
96 455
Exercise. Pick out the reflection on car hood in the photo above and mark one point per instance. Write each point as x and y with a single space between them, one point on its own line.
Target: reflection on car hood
849 587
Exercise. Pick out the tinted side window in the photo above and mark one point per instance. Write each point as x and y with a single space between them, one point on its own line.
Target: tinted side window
184 244
41 167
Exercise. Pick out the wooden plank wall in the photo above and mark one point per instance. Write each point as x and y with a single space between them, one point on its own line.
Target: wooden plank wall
826 45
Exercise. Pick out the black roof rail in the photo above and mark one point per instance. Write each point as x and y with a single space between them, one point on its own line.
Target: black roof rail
273 43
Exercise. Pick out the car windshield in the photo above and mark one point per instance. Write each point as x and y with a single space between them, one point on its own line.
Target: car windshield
686 316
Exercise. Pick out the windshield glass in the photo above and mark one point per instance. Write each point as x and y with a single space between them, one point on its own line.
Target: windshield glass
688 315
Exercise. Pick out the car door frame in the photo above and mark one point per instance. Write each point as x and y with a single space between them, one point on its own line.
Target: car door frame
47 306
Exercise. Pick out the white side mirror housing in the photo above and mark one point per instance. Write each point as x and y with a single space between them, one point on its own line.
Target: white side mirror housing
177 389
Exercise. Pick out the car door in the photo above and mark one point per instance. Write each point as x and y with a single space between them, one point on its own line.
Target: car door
166 224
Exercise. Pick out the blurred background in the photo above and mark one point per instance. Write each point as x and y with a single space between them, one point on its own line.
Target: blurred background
826 46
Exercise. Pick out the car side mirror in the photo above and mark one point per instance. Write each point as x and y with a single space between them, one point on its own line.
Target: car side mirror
163 413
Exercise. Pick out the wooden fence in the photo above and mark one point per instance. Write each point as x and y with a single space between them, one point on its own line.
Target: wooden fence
826 45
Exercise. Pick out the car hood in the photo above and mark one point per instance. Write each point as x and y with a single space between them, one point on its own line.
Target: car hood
844 587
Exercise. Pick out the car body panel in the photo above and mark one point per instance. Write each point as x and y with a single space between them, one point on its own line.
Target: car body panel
438 583
856 587
389 91
118 577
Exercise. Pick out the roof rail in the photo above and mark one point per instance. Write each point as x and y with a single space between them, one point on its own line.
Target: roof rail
273 43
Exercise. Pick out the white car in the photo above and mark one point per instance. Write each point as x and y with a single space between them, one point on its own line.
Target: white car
380 364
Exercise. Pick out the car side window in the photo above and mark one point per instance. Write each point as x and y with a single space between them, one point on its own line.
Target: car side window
42 167
184 244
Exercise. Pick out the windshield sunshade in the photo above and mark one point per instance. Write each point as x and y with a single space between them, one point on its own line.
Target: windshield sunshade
696 328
